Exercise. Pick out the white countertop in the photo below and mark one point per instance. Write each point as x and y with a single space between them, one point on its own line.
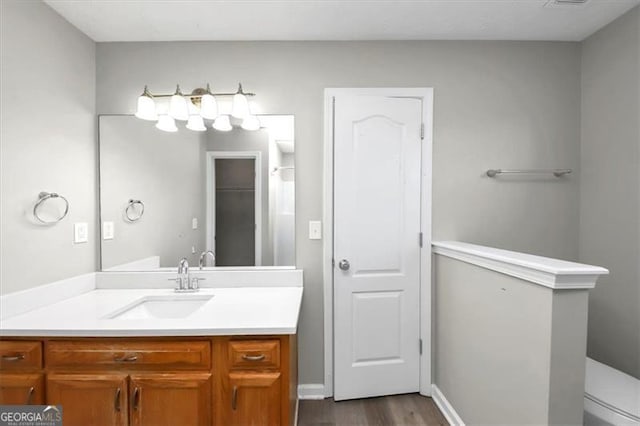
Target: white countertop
231 311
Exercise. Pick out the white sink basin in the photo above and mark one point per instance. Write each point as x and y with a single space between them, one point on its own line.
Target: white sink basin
174 306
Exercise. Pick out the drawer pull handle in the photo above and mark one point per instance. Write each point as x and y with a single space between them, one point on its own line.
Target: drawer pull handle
136 398
234 398
253 357
127 358
13 358
117 400
30 395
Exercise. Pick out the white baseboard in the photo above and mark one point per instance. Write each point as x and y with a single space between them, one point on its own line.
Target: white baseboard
445 406
311 391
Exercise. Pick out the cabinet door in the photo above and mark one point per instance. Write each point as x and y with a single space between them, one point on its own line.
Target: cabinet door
21 389
171 399
89 399
252 399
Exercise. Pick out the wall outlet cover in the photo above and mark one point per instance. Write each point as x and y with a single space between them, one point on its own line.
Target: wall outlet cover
80 232
315 230
108 231
194 223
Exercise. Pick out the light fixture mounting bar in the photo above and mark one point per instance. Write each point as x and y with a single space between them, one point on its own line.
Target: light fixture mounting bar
192 95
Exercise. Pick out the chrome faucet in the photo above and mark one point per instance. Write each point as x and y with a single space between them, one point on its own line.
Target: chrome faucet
203 258
184 281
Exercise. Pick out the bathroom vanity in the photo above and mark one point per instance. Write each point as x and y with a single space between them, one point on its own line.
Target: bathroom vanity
231 360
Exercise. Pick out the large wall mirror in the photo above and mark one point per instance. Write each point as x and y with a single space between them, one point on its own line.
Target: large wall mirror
169 195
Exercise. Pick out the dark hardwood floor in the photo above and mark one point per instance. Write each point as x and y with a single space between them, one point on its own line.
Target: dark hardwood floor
409 409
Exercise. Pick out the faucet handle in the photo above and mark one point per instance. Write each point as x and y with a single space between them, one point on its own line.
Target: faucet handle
195 283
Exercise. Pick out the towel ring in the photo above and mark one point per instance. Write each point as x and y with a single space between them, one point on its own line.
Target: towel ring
131 208
44 196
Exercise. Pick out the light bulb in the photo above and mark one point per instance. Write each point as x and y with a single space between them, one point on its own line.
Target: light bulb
251 123
208 107
167 124
196 123
240 107
146 107
178 108
222 123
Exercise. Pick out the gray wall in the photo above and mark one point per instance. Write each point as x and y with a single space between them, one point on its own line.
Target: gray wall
166 172
508 351
497 104
47 143
610 189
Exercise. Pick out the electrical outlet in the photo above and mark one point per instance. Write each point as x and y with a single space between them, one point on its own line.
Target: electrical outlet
194 223
107 231
80 232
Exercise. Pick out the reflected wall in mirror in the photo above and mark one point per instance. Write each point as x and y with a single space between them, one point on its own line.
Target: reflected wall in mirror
165 196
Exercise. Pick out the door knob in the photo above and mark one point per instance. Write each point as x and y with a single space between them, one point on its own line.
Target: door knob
344 265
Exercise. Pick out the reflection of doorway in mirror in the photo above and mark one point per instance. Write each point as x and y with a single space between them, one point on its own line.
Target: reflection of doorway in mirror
234 207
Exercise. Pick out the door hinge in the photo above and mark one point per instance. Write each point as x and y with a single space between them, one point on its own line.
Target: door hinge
422 131
333 263
420 239
420 346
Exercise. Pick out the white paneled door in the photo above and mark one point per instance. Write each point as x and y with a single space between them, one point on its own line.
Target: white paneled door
377 176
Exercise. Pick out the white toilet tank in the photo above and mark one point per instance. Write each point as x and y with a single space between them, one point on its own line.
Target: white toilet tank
611 396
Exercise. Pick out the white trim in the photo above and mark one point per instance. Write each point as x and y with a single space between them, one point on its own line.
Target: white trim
552 273
426 95
211 199
446 408
311 391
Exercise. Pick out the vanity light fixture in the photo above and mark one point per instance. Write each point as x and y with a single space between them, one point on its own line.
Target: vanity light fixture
251 122
178 108
222 123
194 107
146 106
208 105
240 106
196 123
166 123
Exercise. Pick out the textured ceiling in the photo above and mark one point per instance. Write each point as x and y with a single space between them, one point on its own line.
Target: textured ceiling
167 20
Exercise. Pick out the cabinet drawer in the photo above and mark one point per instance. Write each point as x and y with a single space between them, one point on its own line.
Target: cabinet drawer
184 355
254 354
20 355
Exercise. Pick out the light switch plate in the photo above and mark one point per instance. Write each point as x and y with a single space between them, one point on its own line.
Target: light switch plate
315 230
107 231
80 232
194 223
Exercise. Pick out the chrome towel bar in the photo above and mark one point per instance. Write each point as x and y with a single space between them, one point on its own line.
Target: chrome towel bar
555 172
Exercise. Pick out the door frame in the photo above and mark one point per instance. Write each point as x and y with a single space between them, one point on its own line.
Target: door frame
211 199
425 94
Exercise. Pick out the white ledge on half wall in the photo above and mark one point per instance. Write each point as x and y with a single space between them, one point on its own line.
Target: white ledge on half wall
553 273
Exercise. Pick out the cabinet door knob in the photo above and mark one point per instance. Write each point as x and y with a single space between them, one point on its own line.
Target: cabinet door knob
253 357
234 398
117 399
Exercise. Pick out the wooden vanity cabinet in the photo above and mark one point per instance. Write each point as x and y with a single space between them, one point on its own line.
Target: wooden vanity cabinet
90 399
21 374
221 381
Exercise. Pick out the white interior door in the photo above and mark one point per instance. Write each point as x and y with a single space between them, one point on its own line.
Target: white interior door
377 159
